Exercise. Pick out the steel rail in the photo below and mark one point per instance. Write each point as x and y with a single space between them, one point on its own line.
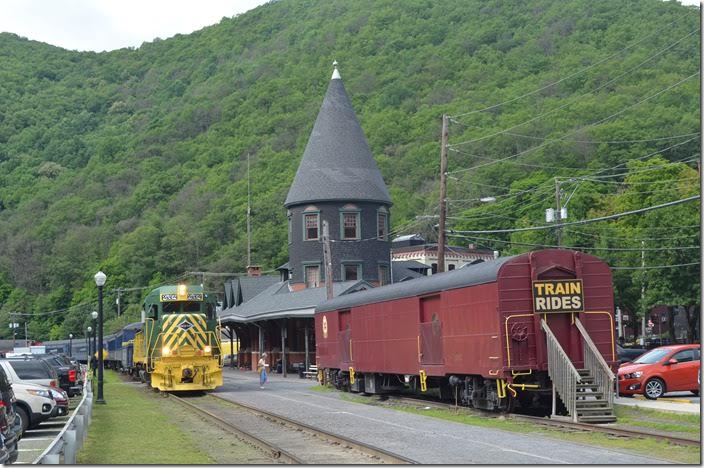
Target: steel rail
619 432
272 450
383 455
605 430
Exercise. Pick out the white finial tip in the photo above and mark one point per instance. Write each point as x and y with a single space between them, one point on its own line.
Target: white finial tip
335 72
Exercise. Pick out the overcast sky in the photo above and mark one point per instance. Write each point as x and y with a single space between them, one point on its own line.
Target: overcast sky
100 25
112 24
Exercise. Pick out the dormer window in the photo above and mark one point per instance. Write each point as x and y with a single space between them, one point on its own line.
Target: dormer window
311 223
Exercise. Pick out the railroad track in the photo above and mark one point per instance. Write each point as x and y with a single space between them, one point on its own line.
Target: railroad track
285 440
557 423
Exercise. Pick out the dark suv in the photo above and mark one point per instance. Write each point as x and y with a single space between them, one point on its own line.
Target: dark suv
70 378
10 426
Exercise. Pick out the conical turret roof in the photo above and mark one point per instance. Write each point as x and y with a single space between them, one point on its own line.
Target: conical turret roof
337 163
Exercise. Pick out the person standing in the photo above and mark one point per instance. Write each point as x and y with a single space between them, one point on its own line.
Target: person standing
261 367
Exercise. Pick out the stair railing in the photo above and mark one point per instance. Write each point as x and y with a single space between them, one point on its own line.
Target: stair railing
562 372
595 362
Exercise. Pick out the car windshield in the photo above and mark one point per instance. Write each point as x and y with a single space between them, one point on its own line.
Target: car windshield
652 356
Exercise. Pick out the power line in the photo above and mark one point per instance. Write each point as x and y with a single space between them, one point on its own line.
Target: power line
573 131
579 72
581 247
590 92
585 221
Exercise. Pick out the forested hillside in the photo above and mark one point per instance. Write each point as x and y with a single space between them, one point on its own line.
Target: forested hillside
134 161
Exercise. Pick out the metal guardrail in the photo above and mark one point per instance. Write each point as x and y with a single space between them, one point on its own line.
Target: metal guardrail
595 362
69 441
562 372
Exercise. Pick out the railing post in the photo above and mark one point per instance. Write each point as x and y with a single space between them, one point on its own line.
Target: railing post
53 459
79 427
70 448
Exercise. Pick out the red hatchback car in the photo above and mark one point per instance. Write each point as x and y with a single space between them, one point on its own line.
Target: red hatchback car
660 370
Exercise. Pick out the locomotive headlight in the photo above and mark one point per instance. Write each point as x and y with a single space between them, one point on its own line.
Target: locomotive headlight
207 350
165 351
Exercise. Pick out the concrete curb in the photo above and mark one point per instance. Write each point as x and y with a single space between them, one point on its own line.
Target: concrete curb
668 400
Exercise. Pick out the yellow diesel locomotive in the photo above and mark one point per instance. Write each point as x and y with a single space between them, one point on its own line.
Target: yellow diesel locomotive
179 346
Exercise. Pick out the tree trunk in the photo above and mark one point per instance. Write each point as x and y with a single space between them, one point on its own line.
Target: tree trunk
671 323
693 312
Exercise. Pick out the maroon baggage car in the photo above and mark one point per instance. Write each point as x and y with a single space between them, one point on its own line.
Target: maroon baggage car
535 329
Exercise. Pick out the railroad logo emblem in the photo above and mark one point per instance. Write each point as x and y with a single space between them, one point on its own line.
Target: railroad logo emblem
185 325
552 296
325 327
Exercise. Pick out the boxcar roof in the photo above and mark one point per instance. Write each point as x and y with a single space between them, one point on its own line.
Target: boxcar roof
480 273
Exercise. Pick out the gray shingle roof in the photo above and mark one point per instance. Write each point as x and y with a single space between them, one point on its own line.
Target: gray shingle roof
337 163
277 301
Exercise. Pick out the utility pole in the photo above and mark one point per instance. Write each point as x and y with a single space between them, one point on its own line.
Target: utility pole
327 257
642 295
26 335
118 301
443 193
249 213
701 128
558 213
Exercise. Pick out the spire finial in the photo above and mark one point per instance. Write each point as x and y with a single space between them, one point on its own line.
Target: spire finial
335 73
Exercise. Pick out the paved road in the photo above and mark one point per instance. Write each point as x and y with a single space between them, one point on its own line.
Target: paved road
426 440
35 441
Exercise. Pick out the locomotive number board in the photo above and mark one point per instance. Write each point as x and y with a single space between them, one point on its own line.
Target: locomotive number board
175 297
553 296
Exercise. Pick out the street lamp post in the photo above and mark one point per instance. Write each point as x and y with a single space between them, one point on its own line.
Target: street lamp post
100 279
70 344
93 357
89 340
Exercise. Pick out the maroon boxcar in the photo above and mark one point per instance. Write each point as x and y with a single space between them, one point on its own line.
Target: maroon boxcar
518 329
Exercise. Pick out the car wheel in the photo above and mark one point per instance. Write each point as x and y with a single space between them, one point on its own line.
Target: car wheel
24 418
654 389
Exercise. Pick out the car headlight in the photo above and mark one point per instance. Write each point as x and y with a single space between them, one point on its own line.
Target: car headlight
634 375
165 351
207 350
41 393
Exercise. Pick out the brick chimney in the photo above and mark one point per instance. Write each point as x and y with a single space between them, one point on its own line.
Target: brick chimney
254 270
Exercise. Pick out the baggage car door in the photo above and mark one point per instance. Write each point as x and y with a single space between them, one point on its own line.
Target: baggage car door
430 346
345 335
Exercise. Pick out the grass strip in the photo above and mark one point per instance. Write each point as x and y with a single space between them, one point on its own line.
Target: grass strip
132 429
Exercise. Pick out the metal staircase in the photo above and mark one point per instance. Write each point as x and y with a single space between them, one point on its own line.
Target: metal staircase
588 394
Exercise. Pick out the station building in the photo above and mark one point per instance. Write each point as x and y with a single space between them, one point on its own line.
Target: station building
337 185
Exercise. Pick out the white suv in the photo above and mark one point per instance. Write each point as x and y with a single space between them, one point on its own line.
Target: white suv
34 403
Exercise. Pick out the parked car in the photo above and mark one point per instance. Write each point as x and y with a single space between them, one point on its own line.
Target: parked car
33 405
70 376
661 370
30 370
10 427
628 354
62 402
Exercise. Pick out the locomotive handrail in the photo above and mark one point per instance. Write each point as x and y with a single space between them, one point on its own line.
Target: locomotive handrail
562 372
595 362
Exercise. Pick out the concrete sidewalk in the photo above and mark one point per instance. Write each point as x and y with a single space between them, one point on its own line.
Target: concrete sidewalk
674 405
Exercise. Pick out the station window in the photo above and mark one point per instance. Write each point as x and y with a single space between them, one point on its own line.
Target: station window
350 225
384 275
312 276
351 271
382 222
433 268
451 266
311 222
